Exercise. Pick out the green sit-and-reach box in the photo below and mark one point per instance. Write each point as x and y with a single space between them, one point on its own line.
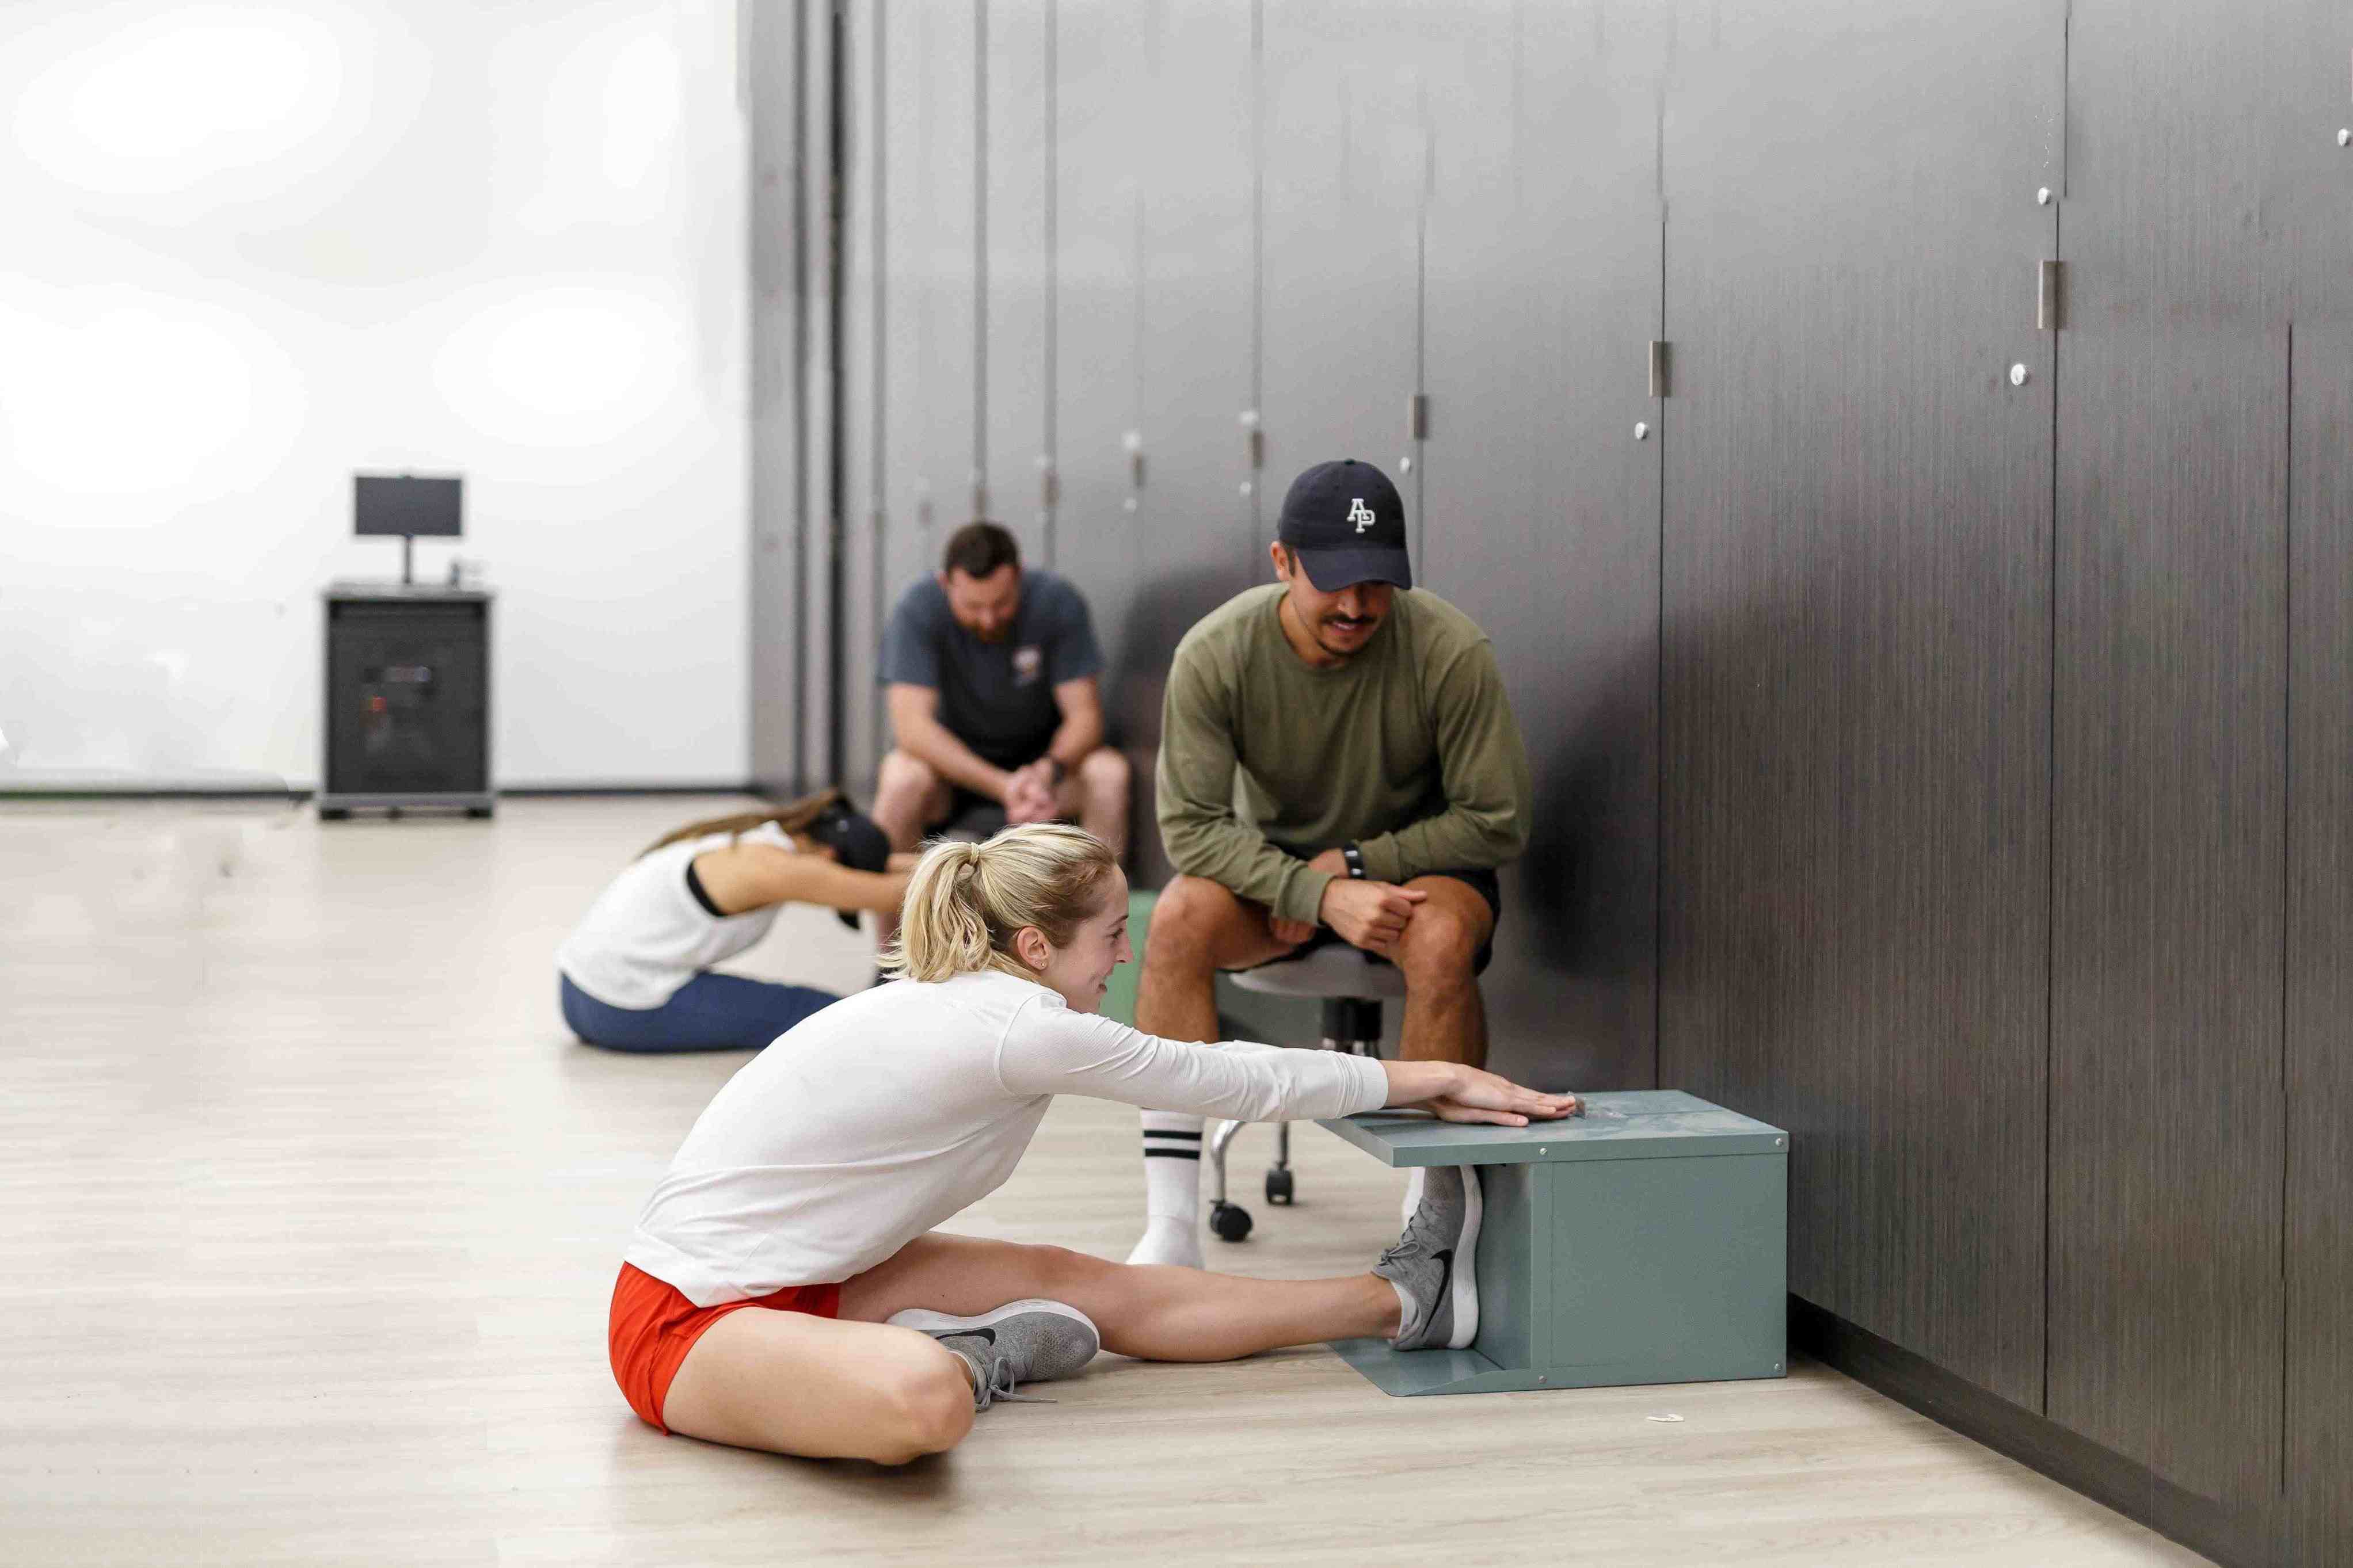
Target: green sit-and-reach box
1643 1242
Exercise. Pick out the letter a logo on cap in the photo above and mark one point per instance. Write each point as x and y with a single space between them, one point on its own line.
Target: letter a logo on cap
1360 514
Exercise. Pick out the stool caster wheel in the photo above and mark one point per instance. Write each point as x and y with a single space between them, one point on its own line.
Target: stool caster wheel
1231 1223
1278 1186
333 813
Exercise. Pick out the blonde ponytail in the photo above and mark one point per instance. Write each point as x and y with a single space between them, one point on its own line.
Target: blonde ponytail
966 902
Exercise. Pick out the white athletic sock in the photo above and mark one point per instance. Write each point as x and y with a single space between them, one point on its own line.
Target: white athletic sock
1172 1190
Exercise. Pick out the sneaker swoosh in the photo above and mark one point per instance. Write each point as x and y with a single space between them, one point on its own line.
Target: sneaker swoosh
986 1336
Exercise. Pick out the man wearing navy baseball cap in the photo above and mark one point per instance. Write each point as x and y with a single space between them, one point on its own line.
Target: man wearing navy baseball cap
1383 780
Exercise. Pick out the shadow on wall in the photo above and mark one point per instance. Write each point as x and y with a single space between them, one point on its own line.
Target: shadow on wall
1571 994
1162 612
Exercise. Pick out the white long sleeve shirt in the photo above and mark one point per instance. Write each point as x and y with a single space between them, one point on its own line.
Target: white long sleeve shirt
870 1122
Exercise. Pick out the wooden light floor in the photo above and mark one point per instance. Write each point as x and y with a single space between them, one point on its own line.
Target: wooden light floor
310 1207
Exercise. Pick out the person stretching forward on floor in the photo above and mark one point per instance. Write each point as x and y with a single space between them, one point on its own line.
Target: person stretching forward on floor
1383 782
636 974
784 1289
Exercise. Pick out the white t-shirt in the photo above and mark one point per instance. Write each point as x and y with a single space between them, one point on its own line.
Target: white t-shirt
869 1123
645 936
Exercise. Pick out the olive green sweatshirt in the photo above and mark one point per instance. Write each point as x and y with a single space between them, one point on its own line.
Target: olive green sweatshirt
1409 750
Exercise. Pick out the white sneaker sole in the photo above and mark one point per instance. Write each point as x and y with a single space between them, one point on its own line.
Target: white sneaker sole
1465 1273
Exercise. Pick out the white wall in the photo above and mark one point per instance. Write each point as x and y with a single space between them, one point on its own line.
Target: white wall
248 249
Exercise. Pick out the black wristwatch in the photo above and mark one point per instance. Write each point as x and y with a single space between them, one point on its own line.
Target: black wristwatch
1356 859
1061 773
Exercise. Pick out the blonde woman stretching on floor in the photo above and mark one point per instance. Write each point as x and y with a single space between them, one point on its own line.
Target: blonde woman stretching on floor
784 1290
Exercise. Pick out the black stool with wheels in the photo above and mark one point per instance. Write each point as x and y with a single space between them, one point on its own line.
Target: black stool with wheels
1352 984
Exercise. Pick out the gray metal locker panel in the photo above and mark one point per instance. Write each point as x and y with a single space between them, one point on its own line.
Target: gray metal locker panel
865 359
913 385
1017 175
1855 686
1100 132
1542 291
772 83
818 766
1346 150
2167 1146
946 176
1197 539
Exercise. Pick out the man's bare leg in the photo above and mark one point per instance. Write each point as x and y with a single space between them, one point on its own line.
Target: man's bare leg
1198 927
1096 793
1445 1017
908 795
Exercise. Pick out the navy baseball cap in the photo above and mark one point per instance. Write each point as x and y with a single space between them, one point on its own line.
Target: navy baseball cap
1347 524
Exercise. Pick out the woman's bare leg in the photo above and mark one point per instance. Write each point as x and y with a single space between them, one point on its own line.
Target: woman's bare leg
1146 1310
858 1388
793 1383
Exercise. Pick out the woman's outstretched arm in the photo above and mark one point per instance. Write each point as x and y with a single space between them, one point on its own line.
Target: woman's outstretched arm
741 878
1049 1049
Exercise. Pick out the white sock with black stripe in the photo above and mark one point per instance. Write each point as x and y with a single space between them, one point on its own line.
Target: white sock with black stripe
1172 1190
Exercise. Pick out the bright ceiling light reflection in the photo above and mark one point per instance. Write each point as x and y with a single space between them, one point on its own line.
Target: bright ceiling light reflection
186 100
125 394
612 115
572 365
642 108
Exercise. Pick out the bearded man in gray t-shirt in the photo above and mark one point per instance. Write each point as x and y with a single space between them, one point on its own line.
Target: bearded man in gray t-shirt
993 684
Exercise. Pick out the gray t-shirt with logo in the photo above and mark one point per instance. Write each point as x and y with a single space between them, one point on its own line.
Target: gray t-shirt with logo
996 698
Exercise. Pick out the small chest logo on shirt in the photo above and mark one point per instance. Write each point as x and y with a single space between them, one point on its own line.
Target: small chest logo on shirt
1360 514
1028 663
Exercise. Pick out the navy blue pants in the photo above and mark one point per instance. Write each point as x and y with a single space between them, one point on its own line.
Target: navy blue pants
709 1013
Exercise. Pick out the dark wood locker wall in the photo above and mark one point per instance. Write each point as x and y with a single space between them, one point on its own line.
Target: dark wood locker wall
1100 131
1197 539
2320 1279
771 72
1346 164
1017 217
2167 1127
2310 177
1541 294
1855 707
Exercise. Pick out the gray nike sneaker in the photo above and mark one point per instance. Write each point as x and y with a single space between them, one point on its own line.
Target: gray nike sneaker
1022 1342
1434 1265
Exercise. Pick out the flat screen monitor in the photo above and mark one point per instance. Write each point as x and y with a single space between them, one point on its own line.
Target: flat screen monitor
405 504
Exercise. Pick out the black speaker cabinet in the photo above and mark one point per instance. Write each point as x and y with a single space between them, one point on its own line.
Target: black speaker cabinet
408 699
